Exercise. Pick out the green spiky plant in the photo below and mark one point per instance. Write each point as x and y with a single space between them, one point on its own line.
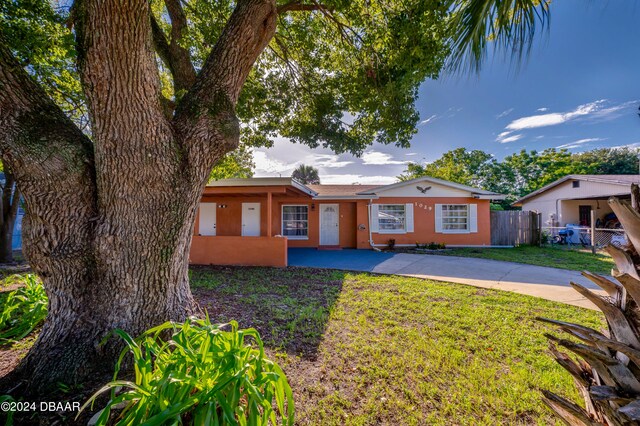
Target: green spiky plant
23 310
204 374
607 367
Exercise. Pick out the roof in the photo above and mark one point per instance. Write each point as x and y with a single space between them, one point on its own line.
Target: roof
262 181
624 180
474 191
346 191
340 190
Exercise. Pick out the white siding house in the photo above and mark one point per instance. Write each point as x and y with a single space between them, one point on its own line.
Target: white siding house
570 200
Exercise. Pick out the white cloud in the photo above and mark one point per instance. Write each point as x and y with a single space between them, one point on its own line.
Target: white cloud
326 160
357 179
376 158
428 120
268 164
506 137
504 113
543 109
411 154
449 113
630 145
511 139
579 143
554 118
615 111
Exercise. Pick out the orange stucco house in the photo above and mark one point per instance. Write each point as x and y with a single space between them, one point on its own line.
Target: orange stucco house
254 221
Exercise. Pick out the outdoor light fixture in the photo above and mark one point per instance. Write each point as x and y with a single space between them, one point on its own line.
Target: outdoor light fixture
313 206
222 206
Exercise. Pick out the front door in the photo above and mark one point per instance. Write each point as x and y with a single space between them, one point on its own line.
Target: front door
584 213
250 219
329 225
207 221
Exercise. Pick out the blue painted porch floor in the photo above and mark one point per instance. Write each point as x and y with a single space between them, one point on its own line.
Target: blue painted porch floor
348 259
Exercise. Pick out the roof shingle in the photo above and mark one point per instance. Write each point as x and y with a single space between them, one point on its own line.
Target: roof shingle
340 190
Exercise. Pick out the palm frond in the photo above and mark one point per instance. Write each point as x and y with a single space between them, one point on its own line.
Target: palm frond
510 25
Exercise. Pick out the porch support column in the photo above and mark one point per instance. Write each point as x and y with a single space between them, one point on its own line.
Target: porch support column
269 214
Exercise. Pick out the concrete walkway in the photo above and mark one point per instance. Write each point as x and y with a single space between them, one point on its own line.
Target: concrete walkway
539 281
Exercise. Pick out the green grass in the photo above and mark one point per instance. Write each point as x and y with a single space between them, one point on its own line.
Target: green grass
555 257
363 349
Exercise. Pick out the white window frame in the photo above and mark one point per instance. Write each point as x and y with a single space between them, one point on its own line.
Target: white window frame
294 237
467 230
392 231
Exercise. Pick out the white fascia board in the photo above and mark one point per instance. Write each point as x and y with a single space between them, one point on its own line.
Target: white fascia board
345 197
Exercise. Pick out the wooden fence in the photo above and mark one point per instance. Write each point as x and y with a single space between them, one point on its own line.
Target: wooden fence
512 228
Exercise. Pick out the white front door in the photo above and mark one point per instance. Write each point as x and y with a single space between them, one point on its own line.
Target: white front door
207 221
329 225
250 219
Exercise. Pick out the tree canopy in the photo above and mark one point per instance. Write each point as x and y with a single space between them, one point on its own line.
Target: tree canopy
338 74
523 172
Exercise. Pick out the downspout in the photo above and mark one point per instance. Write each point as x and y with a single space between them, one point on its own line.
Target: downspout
369 226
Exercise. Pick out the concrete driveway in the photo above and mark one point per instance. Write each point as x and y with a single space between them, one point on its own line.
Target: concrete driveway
539 281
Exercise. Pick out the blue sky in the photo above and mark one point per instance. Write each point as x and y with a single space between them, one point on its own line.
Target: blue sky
579 89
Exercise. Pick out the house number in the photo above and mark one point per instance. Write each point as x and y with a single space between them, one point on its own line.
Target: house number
422 206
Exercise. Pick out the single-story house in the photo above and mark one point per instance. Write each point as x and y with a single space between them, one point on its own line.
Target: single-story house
254 221
570 200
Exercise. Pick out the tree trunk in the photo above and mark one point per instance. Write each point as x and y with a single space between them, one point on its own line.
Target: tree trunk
108 222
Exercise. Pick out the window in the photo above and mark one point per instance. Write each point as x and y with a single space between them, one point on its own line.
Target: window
295 222
391 217
455 217
576 184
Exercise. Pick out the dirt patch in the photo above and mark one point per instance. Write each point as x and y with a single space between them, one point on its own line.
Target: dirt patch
289 307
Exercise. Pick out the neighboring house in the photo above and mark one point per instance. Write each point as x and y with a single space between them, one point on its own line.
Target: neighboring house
570 200
254 221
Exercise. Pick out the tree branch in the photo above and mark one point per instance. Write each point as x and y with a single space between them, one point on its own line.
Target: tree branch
174 55
249 30
205 117
296 6
160 42
52 162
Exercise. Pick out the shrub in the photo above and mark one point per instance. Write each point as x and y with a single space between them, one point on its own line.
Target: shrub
23 310
201 375
8 413
391 244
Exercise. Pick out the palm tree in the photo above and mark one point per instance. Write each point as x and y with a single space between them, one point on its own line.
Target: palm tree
607 367
503 24
306 174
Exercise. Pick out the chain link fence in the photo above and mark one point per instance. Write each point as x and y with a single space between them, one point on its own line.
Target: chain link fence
581 236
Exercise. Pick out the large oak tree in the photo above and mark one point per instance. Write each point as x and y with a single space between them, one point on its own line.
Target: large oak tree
169 88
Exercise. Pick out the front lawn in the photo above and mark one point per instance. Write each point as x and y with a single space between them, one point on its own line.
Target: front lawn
555 257
364 349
